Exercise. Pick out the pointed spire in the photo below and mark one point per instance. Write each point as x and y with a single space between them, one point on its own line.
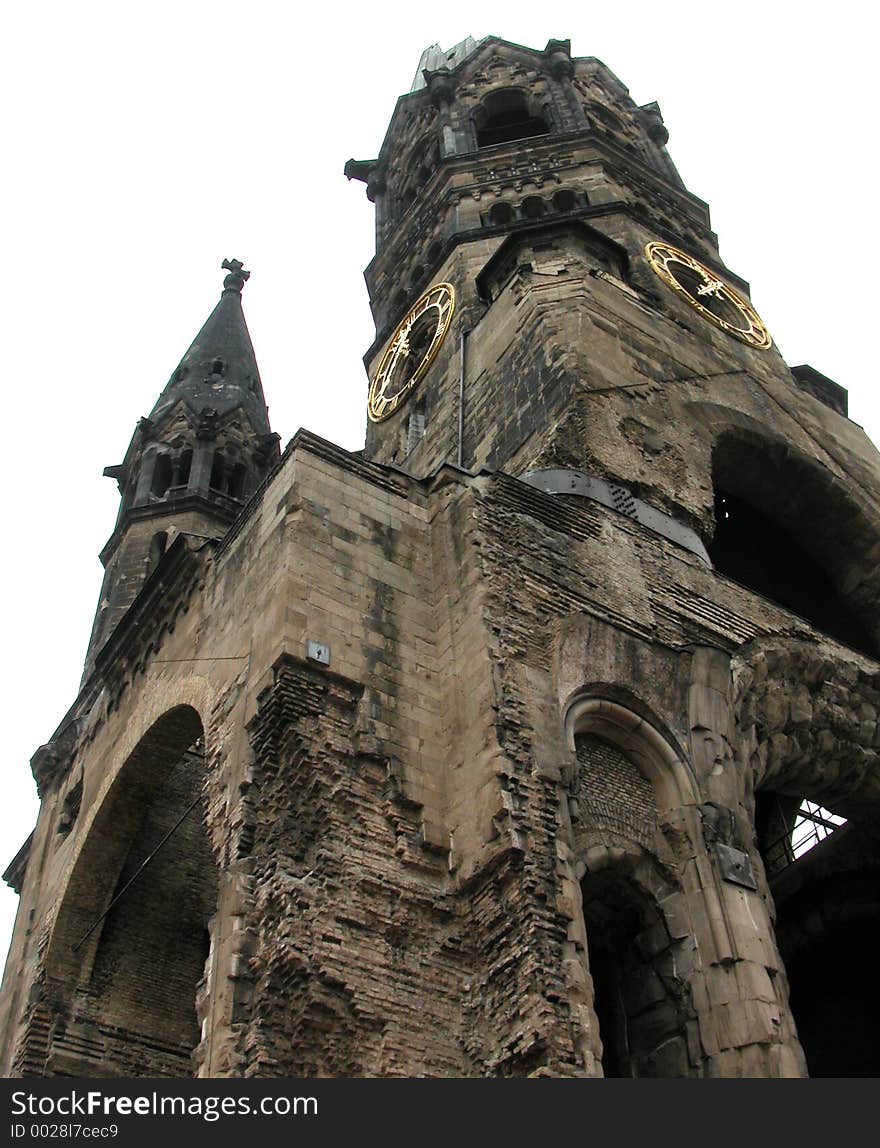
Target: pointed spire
219 371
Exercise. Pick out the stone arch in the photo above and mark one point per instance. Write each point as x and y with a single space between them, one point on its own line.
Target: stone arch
500 214
533 207
640 739
126 957
508 114
627 876
832 573
806 724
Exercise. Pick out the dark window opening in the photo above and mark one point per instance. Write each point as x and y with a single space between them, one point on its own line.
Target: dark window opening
533 207
762 556
236 481
184 466
161 475
218 471
564 200
505 116
500 214
217 367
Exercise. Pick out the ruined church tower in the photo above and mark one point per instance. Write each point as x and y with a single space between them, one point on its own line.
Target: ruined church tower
487 750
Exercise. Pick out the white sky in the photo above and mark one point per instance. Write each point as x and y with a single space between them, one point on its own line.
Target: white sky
143 144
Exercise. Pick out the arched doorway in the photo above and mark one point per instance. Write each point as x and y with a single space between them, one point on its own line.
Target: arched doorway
641 1004
627 773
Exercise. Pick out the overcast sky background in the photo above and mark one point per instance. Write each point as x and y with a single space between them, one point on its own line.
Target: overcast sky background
143 144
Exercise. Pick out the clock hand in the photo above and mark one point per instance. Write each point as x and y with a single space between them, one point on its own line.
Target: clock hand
710 287
401 345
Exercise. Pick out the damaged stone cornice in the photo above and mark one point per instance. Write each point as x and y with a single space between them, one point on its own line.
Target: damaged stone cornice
160 599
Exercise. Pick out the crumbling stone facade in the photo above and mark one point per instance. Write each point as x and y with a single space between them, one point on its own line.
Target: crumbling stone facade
467 754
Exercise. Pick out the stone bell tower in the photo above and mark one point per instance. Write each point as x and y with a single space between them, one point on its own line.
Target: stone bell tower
707 521
487 750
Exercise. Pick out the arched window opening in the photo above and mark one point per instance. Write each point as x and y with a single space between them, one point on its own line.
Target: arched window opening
564 199
763 556
218 471
236 481
500 214
533 207
184 466
217 367
505 116
161 475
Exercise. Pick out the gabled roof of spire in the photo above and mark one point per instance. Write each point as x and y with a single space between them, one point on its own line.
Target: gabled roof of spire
219 371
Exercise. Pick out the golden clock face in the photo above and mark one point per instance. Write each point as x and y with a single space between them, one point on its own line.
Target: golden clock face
712 297
412 350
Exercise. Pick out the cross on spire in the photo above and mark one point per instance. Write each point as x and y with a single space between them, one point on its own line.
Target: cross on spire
237 276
